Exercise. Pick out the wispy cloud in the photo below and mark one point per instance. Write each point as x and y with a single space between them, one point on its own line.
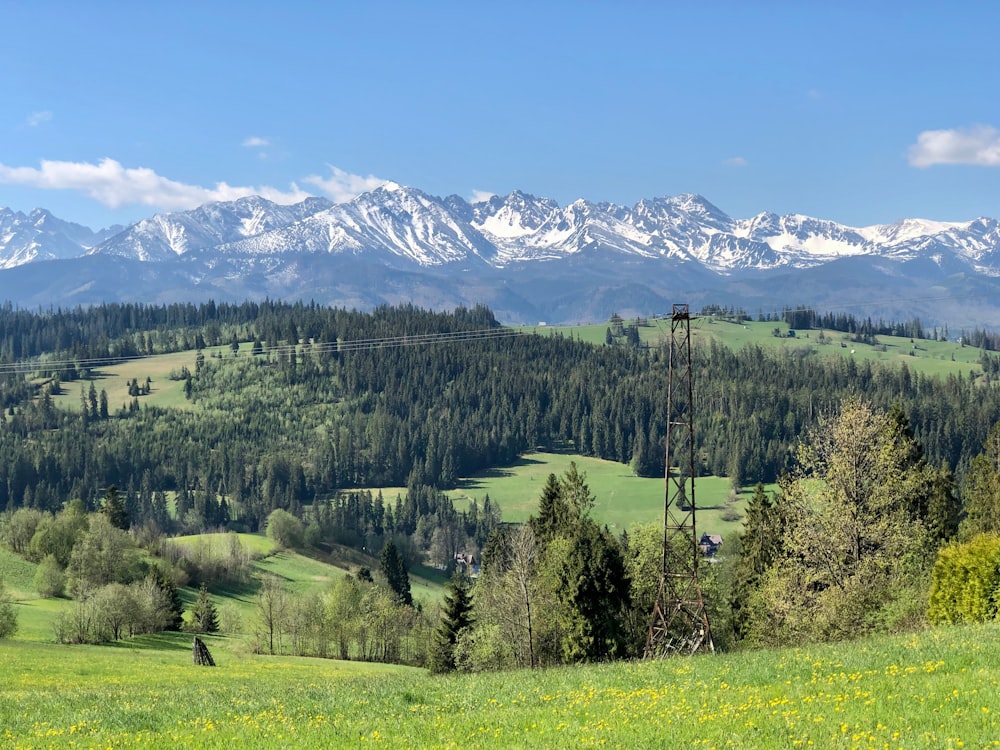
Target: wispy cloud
255 141
342 186
978 145
478 196
735 161
114 185
38 118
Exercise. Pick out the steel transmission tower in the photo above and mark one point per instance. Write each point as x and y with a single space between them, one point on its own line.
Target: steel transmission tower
680 622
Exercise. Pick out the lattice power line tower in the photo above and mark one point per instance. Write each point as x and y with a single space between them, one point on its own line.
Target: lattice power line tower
680 622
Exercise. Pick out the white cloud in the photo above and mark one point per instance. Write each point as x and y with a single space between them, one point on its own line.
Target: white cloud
255 141
114 185
978 145
38 118
478 196
735 161
342 187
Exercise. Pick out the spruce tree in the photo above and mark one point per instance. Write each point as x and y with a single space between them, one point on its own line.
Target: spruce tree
113 507
457 617
204 615
394 569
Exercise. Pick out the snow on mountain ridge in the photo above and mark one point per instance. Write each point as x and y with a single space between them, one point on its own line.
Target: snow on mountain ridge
395 222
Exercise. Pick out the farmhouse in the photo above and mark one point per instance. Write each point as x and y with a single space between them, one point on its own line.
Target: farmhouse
710 544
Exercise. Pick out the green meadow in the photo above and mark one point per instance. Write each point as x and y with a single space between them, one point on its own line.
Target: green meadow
299 573
933 689
621 498
165 392
934 358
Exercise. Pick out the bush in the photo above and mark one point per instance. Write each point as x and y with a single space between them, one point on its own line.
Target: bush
965 582
285 529
8 615
50 580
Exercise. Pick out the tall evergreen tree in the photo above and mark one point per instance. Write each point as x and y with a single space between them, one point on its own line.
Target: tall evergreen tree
166 584
113 506
760 545
204 615
554 512
457 617
394 569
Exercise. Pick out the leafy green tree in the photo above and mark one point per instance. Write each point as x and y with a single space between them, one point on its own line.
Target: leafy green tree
104 554
456 618
50 579
204 615
393 567
855 555
8 615
56 535
965 582
271 603
19 528
116 608
285 529
343 607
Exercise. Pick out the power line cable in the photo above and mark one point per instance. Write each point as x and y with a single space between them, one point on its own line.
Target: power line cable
388 342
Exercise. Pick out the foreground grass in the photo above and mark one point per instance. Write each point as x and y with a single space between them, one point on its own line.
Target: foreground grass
936 689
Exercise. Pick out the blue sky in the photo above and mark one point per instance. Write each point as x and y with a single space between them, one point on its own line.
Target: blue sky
858 112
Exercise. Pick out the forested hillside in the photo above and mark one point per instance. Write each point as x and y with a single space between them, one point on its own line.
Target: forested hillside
298 413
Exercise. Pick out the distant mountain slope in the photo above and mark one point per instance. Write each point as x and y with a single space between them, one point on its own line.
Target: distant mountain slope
527 257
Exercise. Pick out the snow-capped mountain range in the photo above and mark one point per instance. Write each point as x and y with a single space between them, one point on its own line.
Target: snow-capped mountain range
504 249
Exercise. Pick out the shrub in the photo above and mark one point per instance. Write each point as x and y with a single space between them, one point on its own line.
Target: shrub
965 582
50 580
285 529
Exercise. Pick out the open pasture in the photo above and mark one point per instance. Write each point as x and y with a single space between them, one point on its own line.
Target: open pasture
621 498
934 689
164 391
933 358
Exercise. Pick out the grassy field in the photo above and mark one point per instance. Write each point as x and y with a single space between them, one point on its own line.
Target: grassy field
622 499
298 574
164 392
934 358
936 689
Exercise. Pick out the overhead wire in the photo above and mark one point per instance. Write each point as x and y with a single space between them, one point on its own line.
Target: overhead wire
29 366
387 342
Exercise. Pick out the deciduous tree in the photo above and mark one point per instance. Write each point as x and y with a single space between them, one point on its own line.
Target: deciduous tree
8 615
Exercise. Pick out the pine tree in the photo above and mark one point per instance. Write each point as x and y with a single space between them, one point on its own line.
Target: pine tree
554 513
394 569
166 584
113 507
204 616
457 617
